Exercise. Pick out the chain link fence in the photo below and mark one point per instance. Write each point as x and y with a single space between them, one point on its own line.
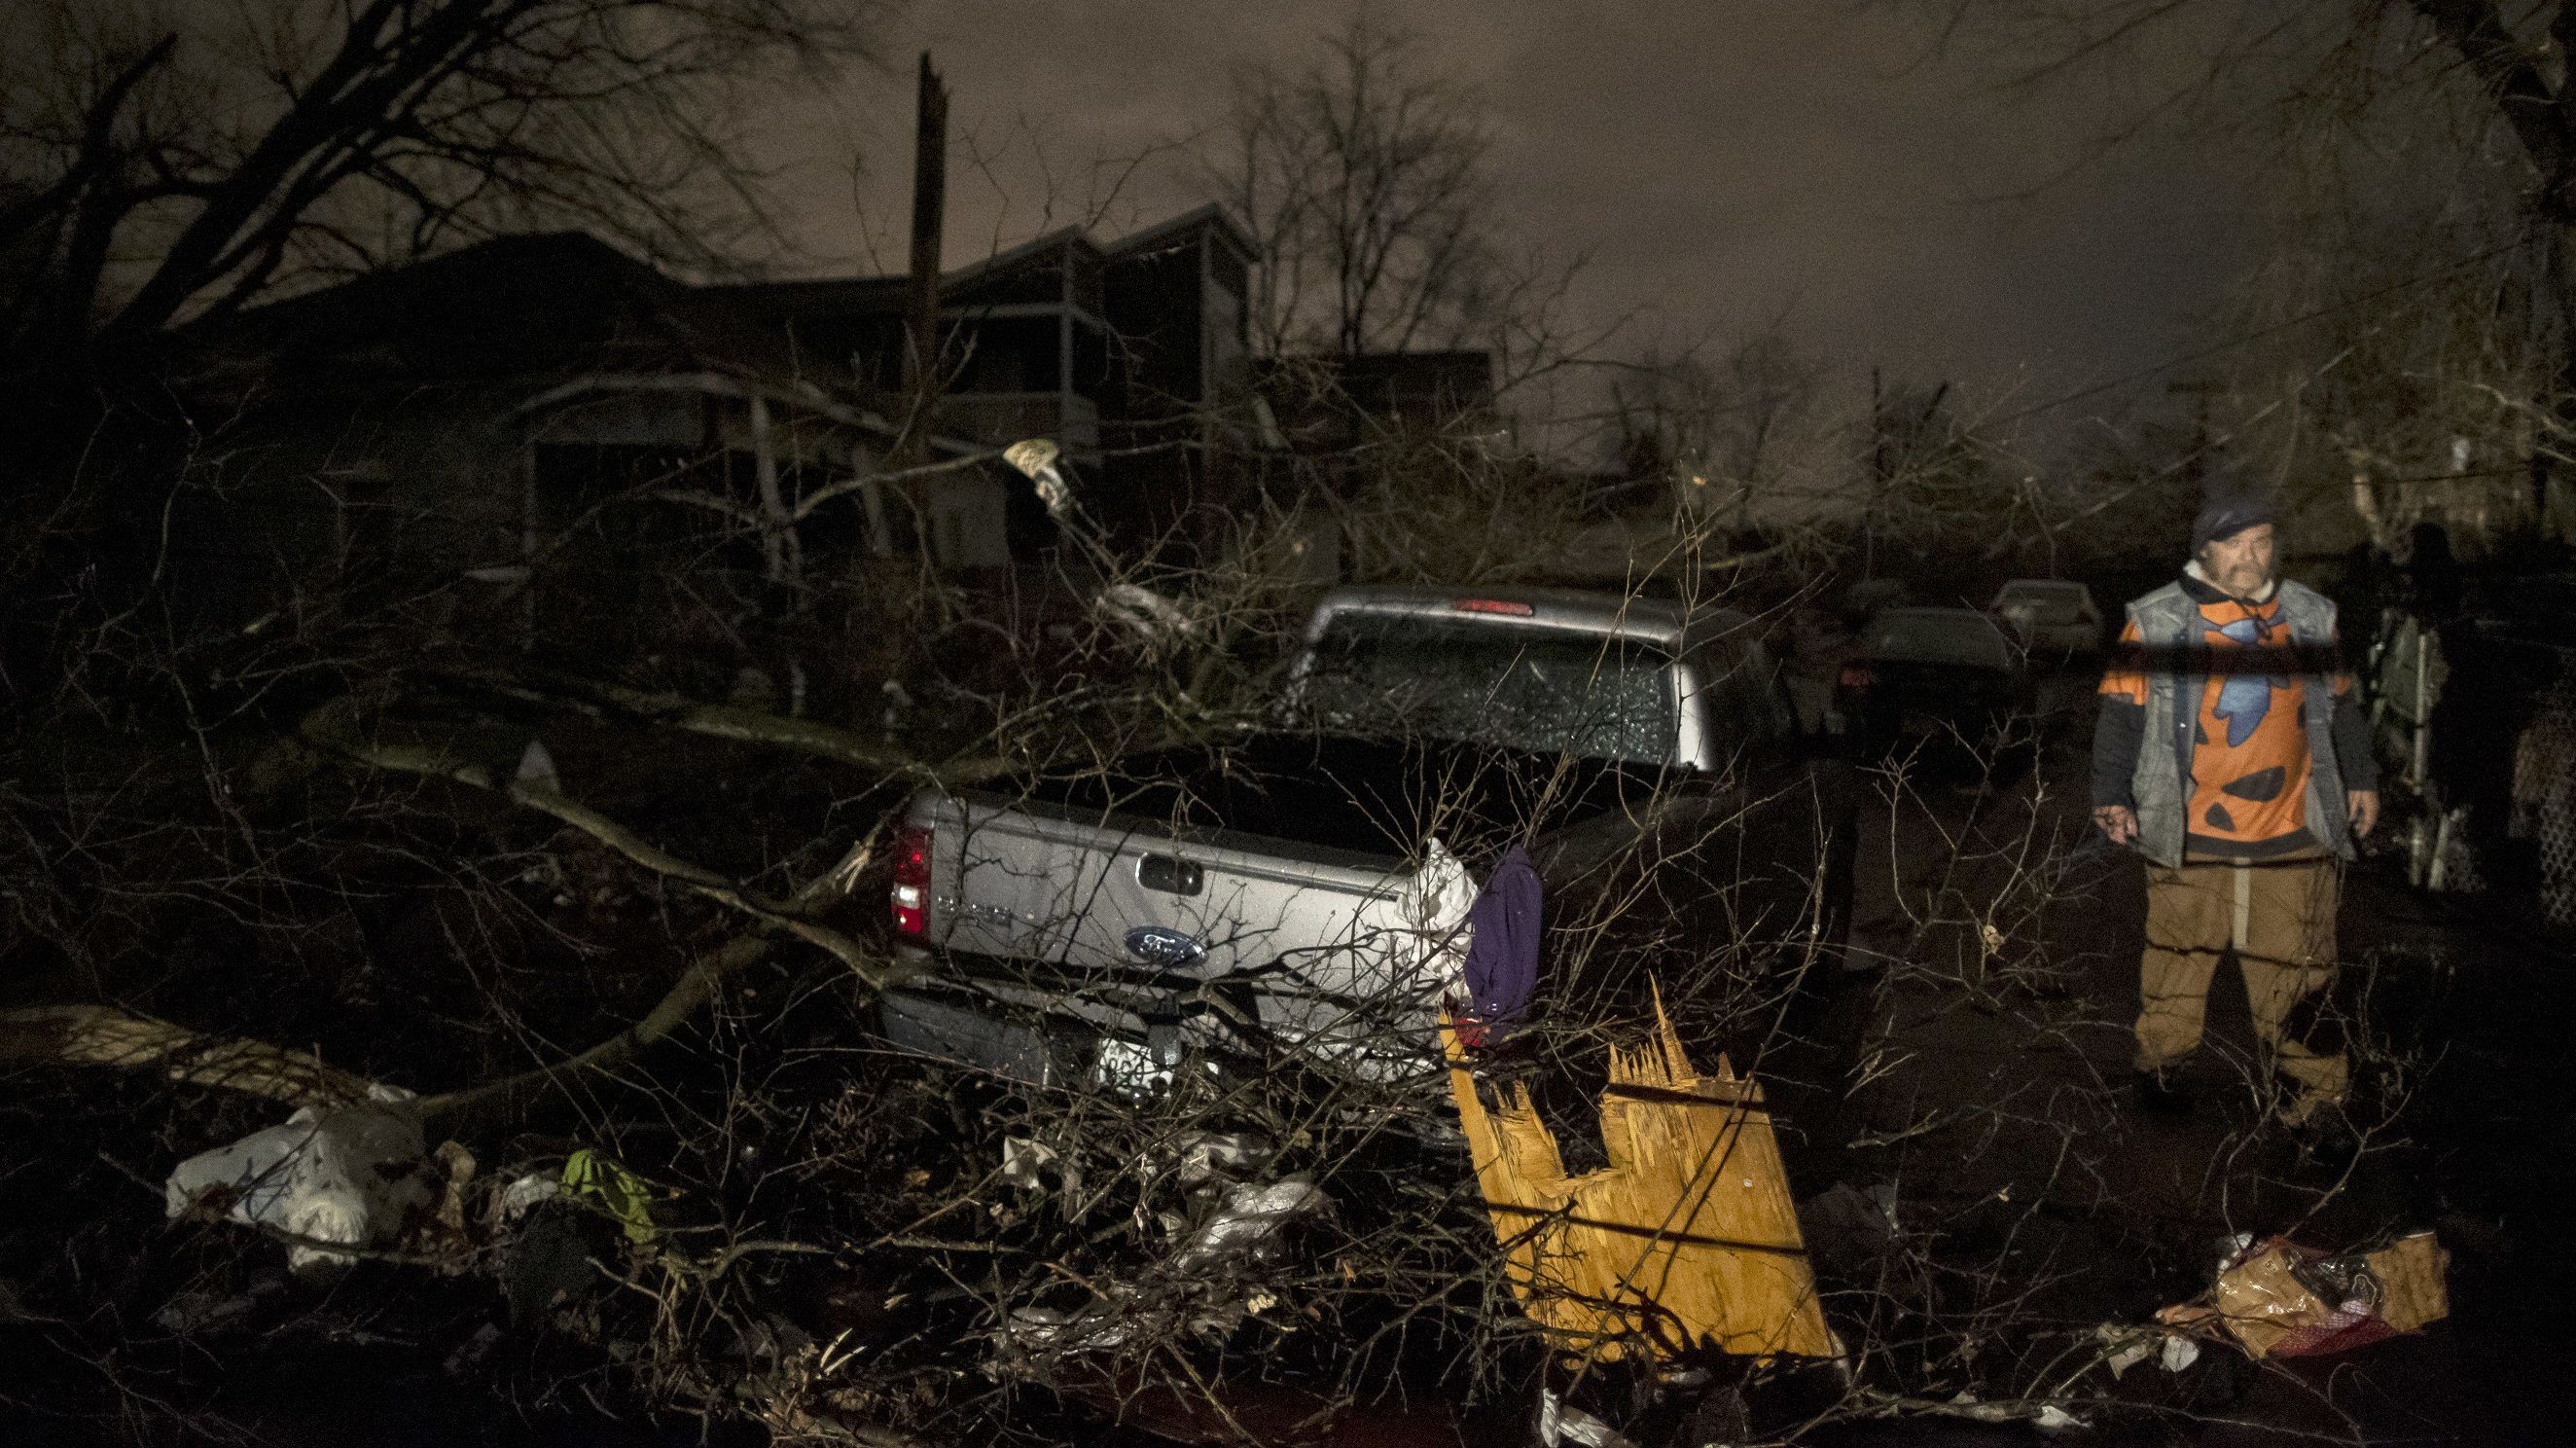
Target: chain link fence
2478 727
2544 792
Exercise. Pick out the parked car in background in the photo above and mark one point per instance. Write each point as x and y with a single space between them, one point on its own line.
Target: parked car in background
1944 674
1868 596
2049 615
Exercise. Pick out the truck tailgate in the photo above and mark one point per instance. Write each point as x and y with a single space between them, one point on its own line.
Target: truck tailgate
1313 941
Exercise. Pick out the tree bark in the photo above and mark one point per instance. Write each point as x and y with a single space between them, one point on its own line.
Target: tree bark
95 1035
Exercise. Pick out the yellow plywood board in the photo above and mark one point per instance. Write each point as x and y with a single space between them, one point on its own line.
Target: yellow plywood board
1686 1240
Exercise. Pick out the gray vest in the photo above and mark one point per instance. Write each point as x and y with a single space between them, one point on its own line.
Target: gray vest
2169 627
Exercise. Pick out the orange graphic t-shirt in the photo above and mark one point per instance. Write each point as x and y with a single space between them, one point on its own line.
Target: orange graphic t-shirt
2249 743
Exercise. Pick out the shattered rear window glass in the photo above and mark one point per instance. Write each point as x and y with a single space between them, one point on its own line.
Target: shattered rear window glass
1595 698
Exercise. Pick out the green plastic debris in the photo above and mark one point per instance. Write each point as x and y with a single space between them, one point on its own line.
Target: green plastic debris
620 1193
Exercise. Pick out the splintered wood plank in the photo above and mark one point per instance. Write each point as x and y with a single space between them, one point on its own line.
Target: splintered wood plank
1688 1239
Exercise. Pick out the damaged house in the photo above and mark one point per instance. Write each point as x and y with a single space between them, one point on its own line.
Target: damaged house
542 440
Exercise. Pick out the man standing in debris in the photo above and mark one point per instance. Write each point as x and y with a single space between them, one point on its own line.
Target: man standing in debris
2232 753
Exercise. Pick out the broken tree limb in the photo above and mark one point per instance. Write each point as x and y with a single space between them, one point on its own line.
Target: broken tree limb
729 722
330 730
693 989
95 1035
323 730
103 1036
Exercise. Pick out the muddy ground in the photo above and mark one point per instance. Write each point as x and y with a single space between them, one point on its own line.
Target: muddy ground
2007 1091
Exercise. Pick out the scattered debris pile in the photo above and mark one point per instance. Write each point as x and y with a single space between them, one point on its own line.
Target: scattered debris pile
2279 1299
1210 1278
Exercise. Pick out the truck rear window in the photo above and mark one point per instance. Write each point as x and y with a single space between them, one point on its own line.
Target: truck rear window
1521 688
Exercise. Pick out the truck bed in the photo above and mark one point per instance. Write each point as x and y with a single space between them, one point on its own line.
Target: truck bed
1296 866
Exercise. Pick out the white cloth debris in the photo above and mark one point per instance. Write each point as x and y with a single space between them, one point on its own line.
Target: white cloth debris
1149 613
1246 1221
1435 905
1561 1423
351 1177
1023 1158
2180 1352
1203 1153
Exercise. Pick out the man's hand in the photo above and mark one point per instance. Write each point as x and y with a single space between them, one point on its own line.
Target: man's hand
2361 806
2120 822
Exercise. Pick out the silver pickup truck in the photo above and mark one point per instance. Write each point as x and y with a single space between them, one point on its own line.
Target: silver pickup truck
1299 890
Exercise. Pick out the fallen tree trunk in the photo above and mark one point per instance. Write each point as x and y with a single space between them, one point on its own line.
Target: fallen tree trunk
103 1036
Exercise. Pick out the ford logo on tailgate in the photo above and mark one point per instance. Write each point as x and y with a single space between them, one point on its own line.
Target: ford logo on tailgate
1161 945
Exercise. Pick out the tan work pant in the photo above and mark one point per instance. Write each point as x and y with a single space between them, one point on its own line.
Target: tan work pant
2280 922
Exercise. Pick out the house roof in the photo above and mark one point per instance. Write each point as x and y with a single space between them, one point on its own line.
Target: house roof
542 318
887 295
534 311
511 307
1062 238
1211 217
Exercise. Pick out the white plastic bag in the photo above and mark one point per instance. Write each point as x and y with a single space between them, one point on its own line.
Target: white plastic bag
351 1177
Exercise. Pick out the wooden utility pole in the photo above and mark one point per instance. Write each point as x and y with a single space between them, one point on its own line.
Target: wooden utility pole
929 204
1877 477
2195 463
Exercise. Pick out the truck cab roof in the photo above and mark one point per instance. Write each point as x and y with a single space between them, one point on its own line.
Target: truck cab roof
1660 622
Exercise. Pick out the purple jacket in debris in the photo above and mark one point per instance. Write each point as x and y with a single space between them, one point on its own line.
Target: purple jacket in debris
1502 955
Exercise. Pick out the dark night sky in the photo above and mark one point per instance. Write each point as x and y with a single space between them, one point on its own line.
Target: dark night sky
1727 163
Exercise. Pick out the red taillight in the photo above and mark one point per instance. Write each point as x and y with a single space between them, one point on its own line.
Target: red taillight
911 895
1858 676
1493 605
